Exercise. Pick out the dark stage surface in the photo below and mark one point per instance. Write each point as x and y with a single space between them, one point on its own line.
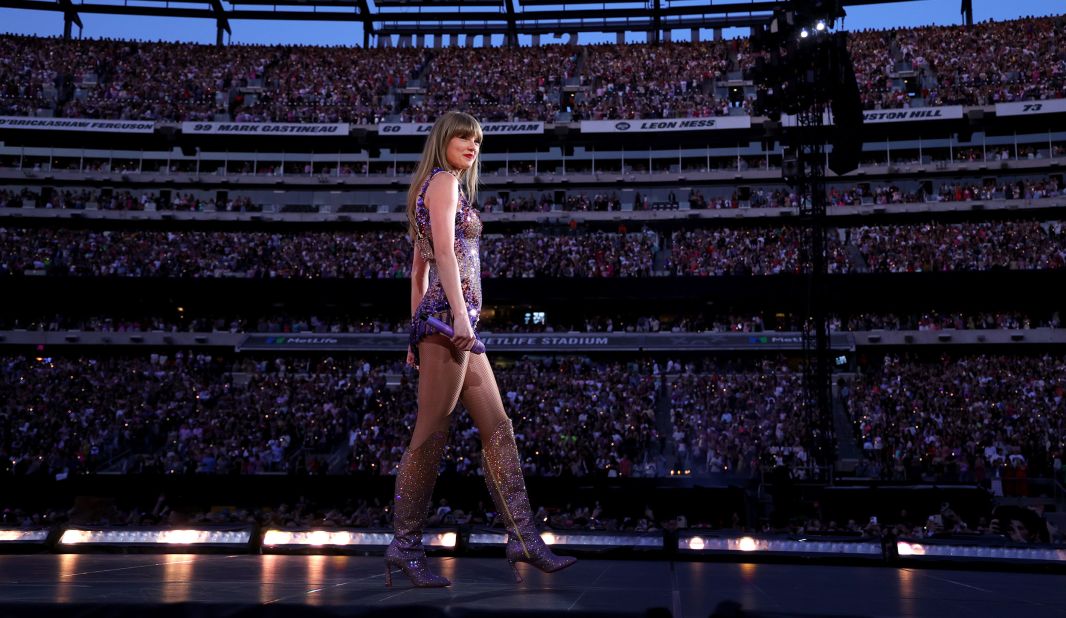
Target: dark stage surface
127 585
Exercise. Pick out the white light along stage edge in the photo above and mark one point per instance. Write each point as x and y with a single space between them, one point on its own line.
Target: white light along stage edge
349 538
278 539
867 549
155 536
8 535
918 549
749 544
564 538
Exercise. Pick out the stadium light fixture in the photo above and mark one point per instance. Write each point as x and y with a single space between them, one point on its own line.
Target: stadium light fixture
925 551
865 548
291 539
747 544
571 538
8 535
155 536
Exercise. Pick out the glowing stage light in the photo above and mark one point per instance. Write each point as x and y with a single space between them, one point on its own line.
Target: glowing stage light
154 536
350 538
448 539
909 549
23 536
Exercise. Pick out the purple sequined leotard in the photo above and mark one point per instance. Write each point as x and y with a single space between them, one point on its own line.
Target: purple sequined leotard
467 243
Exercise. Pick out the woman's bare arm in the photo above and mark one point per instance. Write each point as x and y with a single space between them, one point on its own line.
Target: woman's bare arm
442 199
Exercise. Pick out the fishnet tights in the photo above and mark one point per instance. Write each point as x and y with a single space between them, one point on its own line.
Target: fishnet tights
446 376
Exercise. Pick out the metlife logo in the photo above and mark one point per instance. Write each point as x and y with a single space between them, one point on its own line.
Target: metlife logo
301 340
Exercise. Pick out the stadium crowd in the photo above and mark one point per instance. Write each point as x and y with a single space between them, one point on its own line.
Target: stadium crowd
198 414
1037 188
928 247
965 418
740 420
181 414
503 322
674 80
992 62
932 247
594 254
199 254
973 418
989 63
332 84
572 417
744 251
946 320
496 84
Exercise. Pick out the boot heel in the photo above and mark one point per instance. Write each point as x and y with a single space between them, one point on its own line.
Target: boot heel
517 575
388 575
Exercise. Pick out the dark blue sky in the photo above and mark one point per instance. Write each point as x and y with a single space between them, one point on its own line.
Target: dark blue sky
920 12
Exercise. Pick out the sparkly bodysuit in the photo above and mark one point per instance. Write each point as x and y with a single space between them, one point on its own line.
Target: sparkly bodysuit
467 243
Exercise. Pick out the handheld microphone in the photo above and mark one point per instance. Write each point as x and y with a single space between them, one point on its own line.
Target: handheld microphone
444 329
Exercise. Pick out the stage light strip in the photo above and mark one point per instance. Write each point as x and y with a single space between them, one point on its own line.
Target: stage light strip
23 536
488 538
75 536
601 540
753 544
344 538
563 538
908 549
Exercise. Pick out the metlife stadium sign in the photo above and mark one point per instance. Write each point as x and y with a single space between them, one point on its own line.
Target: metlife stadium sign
548 342
666 124
488 128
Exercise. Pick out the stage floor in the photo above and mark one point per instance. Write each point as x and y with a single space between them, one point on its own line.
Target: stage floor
352 583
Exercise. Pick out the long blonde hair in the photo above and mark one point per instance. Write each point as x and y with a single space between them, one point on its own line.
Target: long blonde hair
434 154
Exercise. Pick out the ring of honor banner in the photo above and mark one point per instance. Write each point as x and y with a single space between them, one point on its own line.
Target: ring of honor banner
719 123
885 116
301 129
488 128
877 116
1031 108
77 124
551 342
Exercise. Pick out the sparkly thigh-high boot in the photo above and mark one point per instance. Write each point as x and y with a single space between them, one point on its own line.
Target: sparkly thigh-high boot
414 488
503 475
440 379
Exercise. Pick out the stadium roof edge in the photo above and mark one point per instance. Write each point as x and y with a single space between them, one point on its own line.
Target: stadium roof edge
547 16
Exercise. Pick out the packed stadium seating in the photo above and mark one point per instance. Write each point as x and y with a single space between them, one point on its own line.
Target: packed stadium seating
909 67
977 418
